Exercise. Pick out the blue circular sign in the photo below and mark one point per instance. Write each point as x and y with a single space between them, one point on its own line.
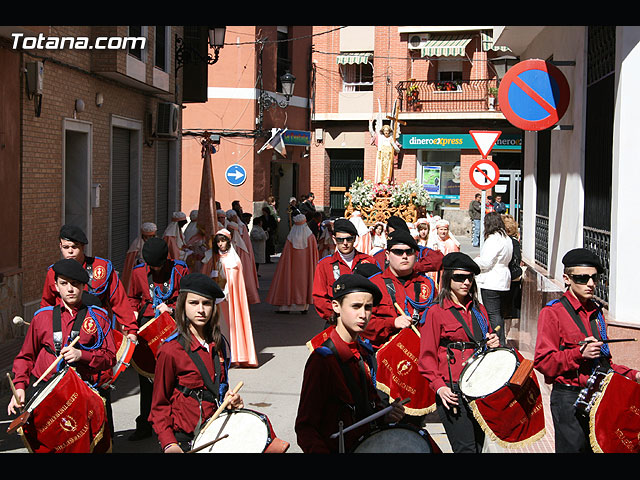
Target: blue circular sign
533 95
235 175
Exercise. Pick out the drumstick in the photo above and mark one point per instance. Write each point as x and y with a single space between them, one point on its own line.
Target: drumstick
208 444
221 408
370 418
611 340
15 392
55 362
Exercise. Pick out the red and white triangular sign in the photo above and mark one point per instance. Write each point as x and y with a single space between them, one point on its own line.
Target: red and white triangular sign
485 140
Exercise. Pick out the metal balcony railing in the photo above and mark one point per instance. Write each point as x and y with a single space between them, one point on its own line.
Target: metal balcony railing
447 96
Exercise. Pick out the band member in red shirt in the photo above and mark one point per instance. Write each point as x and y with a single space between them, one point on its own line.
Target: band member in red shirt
185 395
559 355
338 382
53 328
153 289
329 268
402 286
103 280
458 325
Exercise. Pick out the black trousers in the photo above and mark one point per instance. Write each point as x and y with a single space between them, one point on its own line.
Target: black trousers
146 392
571 427
493 301
463 431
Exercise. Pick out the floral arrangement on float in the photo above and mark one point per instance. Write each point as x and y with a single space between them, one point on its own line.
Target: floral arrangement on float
379 201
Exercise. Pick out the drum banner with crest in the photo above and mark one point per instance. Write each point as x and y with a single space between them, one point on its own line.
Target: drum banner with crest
614 418
150 337
398 375
514 415
72 418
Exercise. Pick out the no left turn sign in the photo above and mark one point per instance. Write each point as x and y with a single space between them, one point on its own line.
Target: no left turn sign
484 174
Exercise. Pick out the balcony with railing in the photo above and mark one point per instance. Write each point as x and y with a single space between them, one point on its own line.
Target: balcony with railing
428 96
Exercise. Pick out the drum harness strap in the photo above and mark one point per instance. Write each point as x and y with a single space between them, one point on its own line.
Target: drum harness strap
158 294
419 308
211 392
336 268
363 405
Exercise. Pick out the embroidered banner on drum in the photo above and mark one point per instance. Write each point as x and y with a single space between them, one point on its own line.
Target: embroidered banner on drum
614 419
398 374
69 418
513 416
150 337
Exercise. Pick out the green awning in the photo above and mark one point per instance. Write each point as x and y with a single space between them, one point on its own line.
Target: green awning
354 58
488 44
445 46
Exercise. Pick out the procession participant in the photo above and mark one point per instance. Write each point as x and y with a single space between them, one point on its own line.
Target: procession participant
429 260
54 327
242 245
192 372
329 268
338 378
363 240
192 227
378 238
404 287
444 241
154 289
104 281
566 364
291 289
326 245
455 327
235 312
423 227
134 254
174 237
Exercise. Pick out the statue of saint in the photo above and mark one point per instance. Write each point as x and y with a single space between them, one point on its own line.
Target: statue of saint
385 139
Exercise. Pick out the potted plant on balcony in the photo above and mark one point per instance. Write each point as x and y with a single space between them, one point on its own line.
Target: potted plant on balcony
413 97
491 99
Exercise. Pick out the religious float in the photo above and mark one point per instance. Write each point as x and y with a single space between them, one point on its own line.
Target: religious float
376 202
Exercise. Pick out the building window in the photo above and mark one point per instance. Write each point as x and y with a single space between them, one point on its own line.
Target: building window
136 50
439 172
284 55
449 76
357 77
161 48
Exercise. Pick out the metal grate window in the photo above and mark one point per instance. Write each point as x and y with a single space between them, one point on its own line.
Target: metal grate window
120 197
599 241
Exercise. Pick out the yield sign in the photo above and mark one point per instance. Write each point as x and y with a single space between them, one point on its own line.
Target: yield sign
485 140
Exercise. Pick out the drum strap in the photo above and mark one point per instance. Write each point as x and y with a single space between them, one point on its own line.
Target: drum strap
57 327
604 361
158 295
360 394
476 336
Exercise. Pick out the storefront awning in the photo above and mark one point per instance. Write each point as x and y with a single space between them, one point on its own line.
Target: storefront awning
353 58
445 46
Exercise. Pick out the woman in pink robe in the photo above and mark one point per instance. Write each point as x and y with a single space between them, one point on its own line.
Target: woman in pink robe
292 285
235 307
241 242
134 254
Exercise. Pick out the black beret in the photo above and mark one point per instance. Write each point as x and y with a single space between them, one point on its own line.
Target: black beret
582 257
460 261
344 225
155 252
201 284
73 234
366 269
397 223
401 237
71 269
350 283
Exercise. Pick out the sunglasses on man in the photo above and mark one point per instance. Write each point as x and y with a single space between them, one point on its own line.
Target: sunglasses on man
583 279
401 251
348 239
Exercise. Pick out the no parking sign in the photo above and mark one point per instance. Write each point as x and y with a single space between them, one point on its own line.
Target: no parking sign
534 95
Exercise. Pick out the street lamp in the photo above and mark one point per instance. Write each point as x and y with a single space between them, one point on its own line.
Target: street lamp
216 40
191 52
502 64
288 81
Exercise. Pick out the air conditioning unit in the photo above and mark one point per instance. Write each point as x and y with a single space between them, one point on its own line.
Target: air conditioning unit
416 42
167 120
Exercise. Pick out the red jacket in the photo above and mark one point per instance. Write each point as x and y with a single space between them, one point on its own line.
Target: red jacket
557 355
171 410
421 292
38 350
325 398
429 260
139 290
105 284
329 268
441 325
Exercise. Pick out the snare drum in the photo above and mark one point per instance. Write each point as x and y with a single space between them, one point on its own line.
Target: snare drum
248 432
488 372
66 416
397 438
124 353
150 336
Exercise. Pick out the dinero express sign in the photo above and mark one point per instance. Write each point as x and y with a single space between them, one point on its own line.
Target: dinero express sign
460 141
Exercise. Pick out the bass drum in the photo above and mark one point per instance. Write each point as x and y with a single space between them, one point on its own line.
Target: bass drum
397 438
488 372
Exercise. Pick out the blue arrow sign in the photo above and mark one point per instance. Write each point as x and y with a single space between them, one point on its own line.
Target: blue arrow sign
235 175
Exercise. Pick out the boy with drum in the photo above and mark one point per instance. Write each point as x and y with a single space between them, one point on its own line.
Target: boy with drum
54 327
455 327
569 348
191 376
337 384
153 289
